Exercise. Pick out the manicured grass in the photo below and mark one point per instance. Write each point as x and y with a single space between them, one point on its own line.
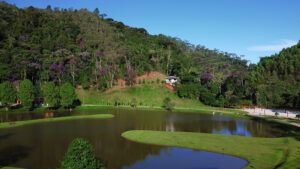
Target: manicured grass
20 123
261 153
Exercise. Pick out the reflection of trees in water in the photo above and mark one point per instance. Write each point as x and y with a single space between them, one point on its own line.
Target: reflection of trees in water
11 154
263 129
50 140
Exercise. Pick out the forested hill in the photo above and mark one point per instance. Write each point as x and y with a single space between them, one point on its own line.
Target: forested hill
88 48
275 81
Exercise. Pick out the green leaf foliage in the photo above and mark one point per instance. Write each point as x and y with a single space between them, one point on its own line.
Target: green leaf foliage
8 94
51 93
67 94
80 154
168 104
26 93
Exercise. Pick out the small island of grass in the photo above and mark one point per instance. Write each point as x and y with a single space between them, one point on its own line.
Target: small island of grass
259 152
20 123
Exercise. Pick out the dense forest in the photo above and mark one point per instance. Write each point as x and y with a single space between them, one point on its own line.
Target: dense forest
89 49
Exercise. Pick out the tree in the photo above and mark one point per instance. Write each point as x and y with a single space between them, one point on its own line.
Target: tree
80 155
26 93
68 95
130 76
51 93
168 104
7 94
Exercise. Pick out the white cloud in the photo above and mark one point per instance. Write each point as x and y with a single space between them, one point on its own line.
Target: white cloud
274 48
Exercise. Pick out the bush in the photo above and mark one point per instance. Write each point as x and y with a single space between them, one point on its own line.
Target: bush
133 103
298 116
276 114
157 80
116 101
162 82
80 155
168 104
140 82
144 82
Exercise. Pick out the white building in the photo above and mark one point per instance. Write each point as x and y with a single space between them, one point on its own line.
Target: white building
171 80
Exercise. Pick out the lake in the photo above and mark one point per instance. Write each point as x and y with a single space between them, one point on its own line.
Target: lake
43 145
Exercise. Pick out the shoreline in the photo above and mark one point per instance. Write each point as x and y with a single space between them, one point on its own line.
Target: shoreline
244 147
25 122
237 113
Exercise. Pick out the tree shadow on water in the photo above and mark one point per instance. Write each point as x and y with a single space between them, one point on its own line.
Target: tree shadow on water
6 136
10 155
289 130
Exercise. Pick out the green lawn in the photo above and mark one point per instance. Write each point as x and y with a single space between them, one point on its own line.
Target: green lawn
261 153
20 123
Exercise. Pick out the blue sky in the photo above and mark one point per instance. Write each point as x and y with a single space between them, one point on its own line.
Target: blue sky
254 28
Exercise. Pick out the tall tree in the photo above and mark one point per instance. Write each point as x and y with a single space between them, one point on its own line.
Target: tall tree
26 93
7 94
51 93
68 95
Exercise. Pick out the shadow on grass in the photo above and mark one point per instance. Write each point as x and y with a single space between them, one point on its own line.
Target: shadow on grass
10 155
290 130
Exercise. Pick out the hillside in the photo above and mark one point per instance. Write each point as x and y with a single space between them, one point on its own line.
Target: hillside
89 50
145 95
275 80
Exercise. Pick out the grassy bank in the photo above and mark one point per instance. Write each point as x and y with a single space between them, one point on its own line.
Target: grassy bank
151 95
260 152
20 123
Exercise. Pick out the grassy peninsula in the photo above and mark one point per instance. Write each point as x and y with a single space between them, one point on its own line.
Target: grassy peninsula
20 123
259 152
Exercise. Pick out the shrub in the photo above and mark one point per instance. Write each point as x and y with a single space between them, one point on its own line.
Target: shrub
133 103
144 82
80 155
116 101
157 80
162 81
152 82
140 82
298 116
168 104
276 114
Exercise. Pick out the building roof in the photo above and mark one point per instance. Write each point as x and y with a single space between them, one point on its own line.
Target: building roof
171 77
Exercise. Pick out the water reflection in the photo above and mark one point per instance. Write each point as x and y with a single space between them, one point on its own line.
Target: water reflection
48 142
179 158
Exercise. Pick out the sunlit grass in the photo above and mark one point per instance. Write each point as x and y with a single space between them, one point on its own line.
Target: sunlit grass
259 152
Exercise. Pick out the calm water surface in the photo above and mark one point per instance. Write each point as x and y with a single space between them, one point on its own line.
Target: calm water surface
43 145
